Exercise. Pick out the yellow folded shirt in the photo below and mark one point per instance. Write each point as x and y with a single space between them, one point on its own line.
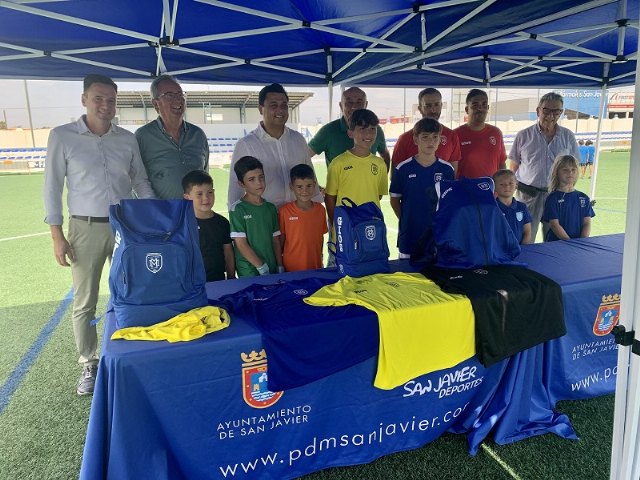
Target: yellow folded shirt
422 328
187 326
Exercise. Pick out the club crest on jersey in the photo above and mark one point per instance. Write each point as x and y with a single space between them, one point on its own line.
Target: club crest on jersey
519 216
443 140
374 168
254 380
153 262
484 186
437 177
583 202
608 315
370 232
492 140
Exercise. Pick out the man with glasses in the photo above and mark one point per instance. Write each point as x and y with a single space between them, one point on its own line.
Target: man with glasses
100 163
534 151
170 146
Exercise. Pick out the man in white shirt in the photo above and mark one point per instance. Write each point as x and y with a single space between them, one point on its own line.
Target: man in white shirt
533 152
278 147
101 163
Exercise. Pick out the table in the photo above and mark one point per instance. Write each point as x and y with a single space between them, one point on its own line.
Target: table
201 410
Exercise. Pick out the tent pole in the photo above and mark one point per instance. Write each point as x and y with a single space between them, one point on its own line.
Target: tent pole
625 450
26 94
603 95
330 87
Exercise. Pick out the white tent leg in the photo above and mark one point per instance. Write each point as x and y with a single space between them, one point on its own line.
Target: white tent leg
625 448
601 114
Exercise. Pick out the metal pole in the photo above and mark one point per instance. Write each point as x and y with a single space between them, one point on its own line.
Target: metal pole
603 94
26 93
404 111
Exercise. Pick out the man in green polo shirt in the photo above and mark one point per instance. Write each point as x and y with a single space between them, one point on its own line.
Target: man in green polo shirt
332 138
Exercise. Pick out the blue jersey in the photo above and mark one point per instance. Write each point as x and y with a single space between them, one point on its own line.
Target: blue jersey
304 343
469 229
415 186
570 209
591 154
517 215
584 154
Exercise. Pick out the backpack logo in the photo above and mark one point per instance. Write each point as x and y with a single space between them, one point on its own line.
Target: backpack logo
370 232
154 262
484 186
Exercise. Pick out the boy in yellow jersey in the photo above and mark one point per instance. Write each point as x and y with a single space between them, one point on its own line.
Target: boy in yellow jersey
357 174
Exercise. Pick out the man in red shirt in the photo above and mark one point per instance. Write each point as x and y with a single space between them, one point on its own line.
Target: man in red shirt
482 146
430 106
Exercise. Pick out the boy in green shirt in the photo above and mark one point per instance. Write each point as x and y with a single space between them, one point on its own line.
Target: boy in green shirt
254 224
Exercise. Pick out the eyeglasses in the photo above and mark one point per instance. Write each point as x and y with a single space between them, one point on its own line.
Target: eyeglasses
173 96
552 111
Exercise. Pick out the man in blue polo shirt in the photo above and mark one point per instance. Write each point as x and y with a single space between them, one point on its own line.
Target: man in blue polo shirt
332 138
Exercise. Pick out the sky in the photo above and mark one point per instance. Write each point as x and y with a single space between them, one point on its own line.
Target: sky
57 102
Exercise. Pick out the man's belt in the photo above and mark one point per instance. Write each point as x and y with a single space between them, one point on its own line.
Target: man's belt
530 189
91 219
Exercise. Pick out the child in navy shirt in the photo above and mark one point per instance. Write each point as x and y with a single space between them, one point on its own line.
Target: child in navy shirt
516 213
567 211
412 189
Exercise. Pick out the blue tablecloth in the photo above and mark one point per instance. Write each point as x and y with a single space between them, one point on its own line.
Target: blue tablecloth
202 410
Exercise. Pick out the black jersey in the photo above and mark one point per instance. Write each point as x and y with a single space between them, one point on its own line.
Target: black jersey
515 308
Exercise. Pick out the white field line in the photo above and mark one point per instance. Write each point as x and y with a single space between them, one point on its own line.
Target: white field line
501 462
23 236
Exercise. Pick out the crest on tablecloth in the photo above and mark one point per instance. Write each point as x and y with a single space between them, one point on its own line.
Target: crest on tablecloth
608 315
254 380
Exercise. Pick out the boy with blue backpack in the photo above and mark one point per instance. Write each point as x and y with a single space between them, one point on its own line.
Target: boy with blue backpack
254 223
357 174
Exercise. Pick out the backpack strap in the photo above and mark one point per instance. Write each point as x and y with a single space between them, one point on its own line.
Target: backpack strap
347 202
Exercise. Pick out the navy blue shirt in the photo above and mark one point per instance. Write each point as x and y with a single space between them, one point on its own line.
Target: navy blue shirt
570 209
517 215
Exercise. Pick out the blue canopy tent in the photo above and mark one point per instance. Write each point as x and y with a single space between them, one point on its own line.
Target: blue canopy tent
446 43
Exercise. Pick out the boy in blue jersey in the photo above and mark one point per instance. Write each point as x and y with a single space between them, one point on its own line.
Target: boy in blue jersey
254 223
412 189
584 153
516 213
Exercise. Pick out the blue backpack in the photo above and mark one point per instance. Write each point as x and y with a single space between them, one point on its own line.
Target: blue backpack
157 270
361 239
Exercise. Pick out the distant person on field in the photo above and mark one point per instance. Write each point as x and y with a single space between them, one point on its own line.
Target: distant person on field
516 213
170 146
430 106
584 153
591 156
357 174
254 223
278 147
333 138
412 189
481 144
101 165
533 153
567 211
213 229
303 223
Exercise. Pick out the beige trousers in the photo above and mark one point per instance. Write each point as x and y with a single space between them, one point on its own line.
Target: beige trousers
92 245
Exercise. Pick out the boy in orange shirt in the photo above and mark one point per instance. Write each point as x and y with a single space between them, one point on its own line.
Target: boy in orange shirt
303 222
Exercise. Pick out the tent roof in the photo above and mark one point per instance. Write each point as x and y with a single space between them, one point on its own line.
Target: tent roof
507 43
